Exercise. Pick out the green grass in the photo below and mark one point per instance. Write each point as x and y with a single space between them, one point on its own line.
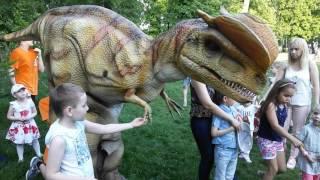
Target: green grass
161 150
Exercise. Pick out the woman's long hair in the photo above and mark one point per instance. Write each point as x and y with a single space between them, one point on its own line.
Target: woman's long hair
301 43
274 92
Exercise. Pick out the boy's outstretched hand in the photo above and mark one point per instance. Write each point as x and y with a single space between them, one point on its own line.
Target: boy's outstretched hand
138 122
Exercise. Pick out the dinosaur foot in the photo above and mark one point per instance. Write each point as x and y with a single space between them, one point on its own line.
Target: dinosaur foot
114 175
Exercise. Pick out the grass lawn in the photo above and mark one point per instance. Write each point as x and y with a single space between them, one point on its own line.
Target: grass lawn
161 150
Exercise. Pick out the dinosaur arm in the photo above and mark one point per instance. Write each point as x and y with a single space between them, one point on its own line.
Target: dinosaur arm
205 100
130 96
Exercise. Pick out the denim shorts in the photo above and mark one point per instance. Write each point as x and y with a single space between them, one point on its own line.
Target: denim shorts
268 148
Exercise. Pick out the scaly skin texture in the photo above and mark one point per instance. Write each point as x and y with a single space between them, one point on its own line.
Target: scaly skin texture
115 62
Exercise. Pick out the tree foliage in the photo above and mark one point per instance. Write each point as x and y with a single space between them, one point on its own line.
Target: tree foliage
287 18
297 18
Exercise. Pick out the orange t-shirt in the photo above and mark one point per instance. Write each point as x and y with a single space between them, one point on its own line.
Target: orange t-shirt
26 68
44 112
44 108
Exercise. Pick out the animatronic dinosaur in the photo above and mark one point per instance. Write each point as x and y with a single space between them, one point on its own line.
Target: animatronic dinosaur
115 62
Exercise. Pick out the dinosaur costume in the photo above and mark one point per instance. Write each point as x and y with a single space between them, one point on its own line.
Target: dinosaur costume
115 62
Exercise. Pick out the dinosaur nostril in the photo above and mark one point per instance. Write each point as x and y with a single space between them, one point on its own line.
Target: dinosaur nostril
105 74
260 78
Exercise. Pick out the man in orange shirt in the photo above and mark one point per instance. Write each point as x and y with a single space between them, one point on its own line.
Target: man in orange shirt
27 62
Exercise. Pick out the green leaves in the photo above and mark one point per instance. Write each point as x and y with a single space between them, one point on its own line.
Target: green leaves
297 18
287 18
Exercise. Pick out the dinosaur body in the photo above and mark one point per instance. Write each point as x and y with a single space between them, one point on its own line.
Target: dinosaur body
115 62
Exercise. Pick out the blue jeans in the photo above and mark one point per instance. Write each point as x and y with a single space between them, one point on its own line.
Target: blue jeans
201 130
225 162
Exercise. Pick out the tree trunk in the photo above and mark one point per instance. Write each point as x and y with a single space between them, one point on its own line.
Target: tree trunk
245 7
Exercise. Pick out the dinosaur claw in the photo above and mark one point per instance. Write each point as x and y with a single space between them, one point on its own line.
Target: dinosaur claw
148 113
171 104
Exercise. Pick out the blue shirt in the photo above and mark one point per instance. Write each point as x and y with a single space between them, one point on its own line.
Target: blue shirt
227 140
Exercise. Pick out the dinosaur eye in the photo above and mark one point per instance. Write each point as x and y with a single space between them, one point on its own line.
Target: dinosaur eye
210 45
189 39
192 39
105 74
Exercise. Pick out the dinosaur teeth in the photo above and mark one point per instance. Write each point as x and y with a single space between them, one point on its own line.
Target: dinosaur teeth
237 87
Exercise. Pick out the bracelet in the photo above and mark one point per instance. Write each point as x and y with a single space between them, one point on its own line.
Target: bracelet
305 153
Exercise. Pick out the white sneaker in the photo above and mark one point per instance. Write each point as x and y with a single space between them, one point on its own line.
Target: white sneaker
291 164
247 158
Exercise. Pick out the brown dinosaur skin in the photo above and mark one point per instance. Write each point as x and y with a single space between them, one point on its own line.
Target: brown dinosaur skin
115 62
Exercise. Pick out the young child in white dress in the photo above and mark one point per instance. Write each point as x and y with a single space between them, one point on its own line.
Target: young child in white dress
309 157
247 112
23 129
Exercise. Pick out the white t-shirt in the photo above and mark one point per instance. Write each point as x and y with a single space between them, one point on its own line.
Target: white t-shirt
303 94
77 159
249 111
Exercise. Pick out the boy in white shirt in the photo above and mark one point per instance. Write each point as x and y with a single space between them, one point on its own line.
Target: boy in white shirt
69 156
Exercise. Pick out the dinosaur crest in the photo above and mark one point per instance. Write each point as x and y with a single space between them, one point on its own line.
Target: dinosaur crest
259 41
231 53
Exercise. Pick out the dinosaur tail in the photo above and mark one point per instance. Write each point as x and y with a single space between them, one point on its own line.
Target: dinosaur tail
32 32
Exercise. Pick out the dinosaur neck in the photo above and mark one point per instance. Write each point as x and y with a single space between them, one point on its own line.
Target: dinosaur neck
166 50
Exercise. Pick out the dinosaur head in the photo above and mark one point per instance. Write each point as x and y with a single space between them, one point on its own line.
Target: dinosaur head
230 53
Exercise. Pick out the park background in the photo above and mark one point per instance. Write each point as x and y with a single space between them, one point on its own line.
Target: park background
163 149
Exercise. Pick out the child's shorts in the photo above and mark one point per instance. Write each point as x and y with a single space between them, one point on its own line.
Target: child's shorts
268 148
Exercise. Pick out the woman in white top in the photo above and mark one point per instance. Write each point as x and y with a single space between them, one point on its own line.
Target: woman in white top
304 71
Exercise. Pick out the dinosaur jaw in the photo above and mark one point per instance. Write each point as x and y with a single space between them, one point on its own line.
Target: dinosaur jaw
235 90
234 87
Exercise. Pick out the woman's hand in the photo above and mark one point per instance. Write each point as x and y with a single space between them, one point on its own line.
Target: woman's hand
235 124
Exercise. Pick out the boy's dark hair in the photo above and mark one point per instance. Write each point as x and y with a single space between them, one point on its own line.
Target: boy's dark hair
218 98
64 95
274 92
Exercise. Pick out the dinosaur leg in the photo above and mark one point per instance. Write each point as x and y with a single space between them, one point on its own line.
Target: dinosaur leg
130 96
106 150
109 160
